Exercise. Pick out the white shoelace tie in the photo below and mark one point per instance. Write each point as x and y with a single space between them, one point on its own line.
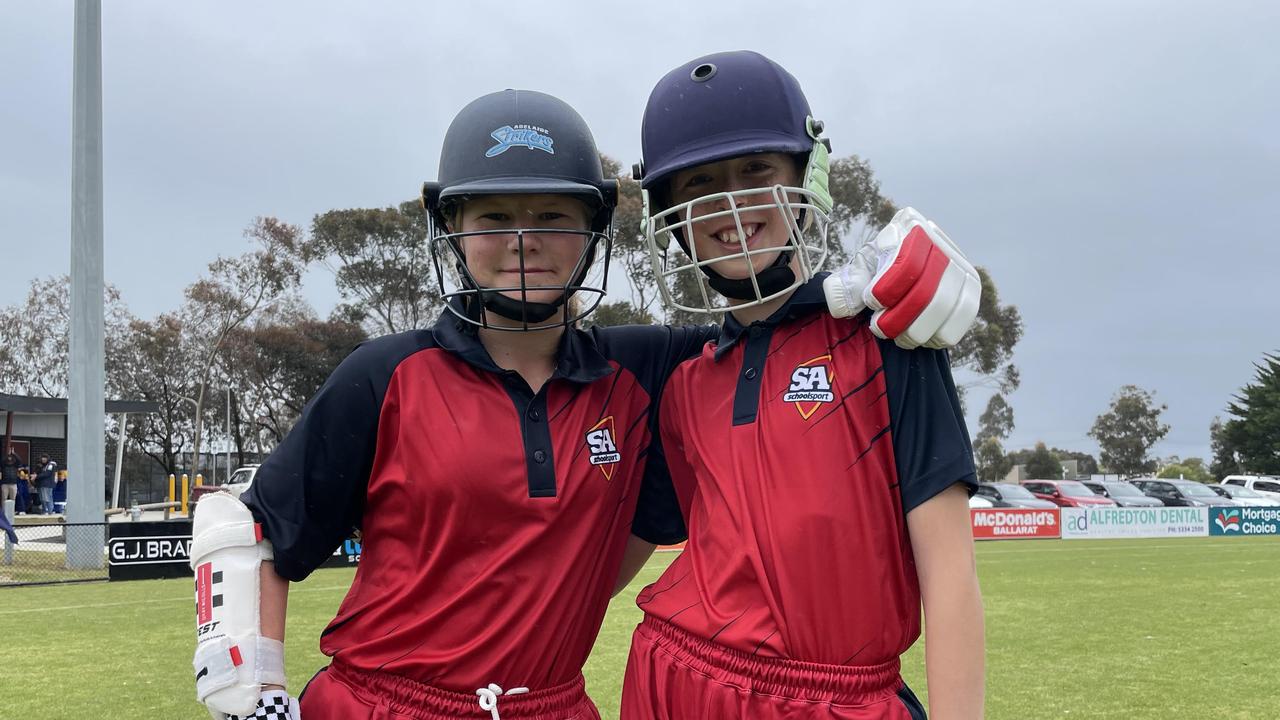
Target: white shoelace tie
489 697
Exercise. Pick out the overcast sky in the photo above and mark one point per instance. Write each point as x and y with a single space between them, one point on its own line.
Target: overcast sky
1114 164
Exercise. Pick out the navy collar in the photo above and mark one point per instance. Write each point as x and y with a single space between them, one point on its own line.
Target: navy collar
806 300
577 359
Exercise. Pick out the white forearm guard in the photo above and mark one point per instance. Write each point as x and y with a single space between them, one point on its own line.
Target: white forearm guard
232 660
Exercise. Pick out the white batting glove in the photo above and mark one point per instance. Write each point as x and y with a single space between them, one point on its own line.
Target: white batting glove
273 705
921 288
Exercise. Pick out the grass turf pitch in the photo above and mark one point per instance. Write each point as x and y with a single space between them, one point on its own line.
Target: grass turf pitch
1174 628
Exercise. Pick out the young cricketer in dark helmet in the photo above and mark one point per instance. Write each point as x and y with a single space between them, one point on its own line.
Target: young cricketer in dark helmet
822 470
495 475
501 465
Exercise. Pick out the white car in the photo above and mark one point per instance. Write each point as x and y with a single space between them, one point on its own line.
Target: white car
1245 496
1265 485
977 502
240 480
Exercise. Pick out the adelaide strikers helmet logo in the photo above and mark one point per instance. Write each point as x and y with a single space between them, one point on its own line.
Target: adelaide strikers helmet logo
1228 520
811 384
603 448
534 138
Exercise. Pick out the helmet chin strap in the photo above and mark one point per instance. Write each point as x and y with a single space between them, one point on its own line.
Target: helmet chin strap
523 311
775 278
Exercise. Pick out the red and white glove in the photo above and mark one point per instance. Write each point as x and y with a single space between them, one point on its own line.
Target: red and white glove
273 705
921 288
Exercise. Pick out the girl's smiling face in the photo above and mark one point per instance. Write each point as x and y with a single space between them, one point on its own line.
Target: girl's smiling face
759 224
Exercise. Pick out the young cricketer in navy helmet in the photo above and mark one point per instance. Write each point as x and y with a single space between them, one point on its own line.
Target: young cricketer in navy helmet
822 468
500 464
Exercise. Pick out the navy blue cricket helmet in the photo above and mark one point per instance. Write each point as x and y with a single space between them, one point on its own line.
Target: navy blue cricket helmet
724 106
518 142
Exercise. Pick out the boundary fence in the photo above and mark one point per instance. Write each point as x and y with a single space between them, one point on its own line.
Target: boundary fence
154 549
1116 522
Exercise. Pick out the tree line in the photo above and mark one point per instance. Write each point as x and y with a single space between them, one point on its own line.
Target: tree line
1247 443
243 324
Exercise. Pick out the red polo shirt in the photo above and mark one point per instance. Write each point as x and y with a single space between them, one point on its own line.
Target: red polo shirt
493 518
797 446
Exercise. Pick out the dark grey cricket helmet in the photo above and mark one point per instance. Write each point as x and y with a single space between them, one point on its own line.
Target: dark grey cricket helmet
519 142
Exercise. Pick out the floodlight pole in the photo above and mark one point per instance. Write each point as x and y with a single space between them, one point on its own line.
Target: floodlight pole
86 454
228 434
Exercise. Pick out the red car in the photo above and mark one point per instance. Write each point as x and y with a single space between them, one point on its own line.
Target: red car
1066 493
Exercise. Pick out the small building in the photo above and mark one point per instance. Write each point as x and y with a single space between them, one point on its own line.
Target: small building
35 426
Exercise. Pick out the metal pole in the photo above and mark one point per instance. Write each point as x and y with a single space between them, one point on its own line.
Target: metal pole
85 447
228 433
115 493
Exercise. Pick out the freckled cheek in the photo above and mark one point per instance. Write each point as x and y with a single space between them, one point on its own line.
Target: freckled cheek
483 256
567 255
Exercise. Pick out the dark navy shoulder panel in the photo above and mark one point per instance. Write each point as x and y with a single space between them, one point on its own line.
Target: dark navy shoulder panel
930 440
309 493
651 353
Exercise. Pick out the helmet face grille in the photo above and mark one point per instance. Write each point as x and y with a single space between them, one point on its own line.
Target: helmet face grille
493 306
712 109
686 281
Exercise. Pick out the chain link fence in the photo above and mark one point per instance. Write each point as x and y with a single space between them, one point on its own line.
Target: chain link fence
41 551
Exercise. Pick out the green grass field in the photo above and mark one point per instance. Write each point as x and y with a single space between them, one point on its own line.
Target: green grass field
1184 628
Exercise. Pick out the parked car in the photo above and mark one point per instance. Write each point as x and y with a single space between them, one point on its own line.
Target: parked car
1012 496
1180 493
1265 485
239 481
1124 494
1245 496
1066 493
978 502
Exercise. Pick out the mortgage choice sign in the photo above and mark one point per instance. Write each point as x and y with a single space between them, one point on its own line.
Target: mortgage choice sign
1244 521
1118 522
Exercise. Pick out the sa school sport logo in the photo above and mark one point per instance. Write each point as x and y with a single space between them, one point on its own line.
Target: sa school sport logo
603 448
811 385
508 136
1228 520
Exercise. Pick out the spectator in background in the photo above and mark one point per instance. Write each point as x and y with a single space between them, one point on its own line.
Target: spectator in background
46 476
26 493
9 478
7 526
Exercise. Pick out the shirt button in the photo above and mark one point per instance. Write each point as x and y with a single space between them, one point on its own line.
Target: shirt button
539 456
534 415
750 374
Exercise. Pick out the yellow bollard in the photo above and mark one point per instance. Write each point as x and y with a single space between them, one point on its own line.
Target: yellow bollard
186 493
172 480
